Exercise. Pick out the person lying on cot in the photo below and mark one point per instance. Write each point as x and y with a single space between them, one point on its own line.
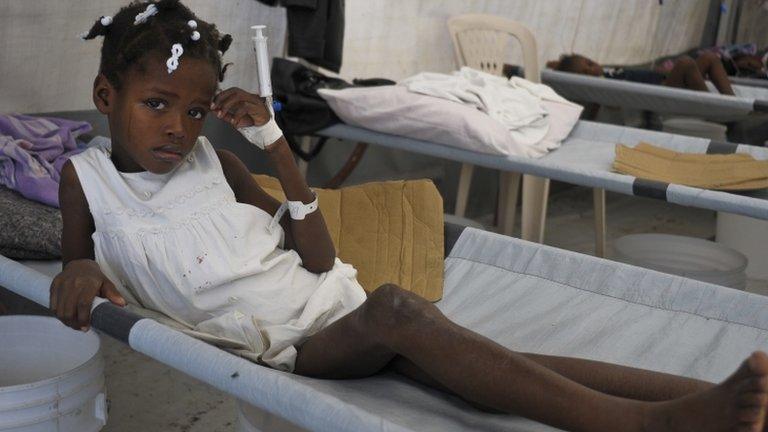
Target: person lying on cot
167 222
685 72
746 65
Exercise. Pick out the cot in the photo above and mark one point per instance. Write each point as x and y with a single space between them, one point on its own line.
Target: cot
526 296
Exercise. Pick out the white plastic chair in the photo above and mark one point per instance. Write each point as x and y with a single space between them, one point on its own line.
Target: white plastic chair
480 42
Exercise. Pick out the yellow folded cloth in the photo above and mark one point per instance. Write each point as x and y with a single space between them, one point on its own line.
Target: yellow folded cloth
391 232
733 172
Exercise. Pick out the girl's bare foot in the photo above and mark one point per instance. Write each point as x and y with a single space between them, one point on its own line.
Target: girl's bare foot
738 404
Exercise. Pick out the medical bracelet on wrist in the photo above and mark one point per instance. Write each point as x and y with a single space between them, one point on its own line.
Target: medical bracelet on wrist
297 209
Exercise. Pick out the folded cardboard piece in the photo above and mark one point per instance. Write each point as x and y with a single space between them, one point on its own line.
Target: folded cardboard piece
391 232
732 172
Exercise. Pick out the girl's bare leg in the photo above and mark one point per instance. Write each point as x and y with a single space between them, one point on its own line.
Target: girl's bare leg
615 380
711 67
686 74
622 381
394 322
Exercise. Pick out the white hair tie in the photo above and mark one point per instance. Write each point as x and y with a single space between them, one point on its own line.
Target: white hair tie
142 17
192 24
173 62
105 21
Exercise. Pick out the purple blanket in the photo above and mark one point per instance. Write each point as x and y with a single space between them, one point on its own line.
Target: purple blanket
33 151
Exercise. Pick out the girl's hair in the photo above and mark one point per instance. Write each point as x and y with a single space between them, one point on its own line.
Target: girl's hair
127 44
569 63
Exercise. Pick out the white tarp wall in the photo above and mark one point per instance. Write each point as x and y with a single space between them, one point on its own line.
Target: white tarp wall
396 38
45 67
753 23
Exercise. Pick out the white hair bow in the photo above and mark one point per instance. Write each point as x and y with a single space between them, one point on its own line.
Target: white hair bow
105 21
144 16
173 62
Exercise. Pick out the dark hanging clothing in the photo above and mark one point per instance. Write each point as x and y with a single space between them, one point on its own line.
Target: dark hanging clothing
315 30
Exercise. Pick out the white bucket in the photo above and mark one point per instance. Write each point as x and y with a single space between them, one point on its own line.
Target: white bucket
695 127
252 419
51 377
684 256
748 236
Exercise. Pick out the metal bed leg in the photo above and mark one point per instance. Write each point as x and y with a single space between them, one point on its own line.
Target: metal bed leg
600 227
462 195
509 188
535 193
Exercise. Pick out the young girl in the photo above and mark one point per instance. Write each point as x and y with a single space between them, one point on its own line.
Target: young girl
685 73
165 221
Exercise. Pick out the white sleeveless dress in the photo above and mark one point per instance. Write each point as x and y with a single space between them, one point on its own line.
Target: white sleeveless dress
181 245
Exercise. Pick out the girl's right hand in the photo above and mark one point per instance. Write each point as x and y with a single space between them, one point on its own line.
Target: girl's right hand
73 291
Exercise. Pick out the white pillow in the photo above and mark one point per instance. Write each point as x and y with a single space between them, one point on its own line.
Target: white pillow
395 110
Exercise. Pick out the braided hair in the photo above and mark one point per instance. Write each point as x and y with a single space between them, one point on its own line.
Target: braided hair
128 41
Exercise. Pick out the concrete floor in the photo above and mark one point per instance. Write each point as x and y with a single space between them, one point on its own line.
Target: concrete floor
148 396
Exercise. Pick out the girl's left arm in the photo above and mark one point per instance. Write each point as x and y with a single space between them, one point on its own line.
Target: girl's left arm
310 236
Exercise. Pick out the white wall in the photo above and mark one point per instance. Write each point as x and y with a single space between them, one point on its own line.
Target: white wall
45 67
753 23
396 38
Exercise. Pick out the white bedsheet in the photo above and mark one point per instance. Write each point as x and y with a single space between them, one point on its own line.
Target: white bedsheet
534 114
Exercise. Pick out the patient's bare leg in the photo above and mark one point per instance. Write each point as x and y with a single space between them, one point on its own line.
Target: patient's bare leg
395 322
686 74
615 380
711 67
622 381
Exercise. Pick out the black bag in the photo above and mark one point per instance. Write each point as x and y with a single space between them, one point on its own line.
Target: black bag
303 111
295 87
